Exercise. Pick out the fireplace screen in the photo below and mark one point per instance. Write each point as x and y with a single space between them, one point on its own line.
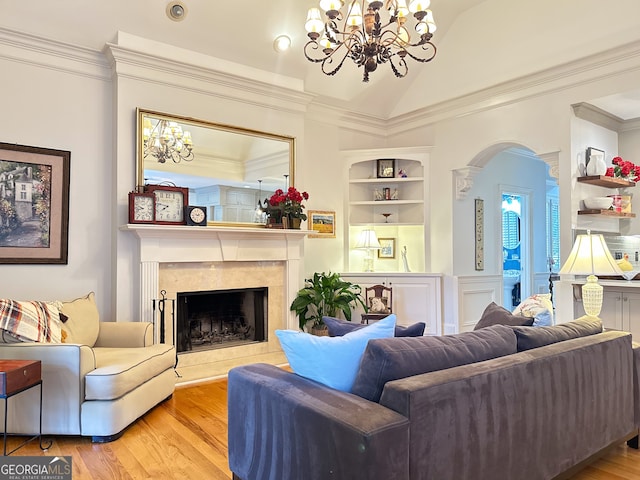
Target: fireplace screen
220 318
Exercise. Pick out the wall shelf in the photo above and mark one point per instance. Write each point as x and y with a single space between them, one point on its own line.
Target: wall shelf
604 181
606 213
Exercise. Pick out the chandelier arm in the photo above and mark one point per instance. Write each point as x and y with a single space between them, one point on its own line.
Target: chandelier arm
402 63
426 59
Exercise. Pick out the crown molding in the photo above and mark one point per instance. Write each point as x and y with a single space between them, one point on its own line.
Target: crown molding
142 66
591 69
595 115
42 52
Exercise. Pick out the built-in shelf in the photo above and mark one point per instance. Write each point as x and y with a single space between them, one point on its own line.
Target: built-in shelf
386 202
606 213
387 180
604 181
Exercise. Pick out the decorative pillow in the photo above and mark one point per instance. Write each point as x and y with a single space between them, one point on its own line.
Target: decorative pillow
496 315
29 321
529 338
538 307
378 305
83 323
338 328
332 361
393 358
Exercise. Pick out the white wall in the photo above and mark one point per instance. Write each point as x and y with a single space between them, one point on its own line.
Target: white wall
65 106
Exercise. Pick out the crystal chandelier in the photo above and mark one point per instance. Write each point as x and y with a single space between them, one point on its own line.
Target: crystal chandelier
167 141
365 39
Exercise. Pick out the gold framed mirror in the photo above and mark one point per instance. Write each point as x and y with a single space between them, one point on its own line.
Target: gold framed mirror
228 170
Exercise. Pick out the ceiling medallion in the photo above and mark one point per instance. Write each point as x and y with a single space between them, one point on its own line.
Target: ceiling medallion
367 39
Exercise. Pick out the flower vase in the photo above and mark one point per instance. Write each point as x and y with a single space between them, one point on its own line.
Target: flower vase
596 166
295 223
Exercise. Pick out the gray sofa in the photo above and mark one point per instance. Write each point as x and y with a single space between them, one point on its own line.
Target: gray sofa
498 403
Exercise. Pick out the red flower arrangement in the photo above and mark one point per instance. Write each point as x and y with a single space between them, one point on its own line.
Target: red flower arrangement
623 169
289 204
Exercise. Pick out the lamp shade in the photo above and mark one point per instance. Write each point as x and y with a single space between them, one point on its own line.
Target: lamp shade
590 256
368 240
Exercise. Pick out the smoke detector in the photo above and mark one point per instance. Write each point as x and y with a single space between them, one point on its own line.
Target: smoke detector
176 11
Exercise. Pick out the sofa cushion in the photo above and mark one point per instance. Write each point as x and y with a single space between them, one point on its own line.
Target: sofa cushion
529 338
121 370
83 322
496 315
332 361
394 358
539 307
338 327
29 321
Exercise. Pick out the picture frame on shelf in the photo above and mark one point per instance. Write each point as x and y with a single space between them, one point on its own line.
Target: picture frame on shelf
386 168
387 248
322 223
36 225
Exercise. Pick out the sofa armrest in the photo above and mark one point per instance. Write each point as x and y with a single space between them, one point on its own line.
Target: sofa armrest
286 427
64 367
125 334
636 381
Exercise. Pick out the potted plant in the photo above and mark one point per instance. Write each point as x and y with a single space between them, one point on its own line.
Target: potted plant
287 205
326 294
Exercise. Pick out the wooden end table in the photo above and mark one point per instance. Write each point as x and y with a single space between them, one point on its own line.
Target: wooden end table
17 376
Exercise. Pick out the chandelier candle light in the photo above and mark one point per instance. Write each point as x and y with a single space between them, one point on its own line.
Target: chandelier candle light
366 38
590 256
167 141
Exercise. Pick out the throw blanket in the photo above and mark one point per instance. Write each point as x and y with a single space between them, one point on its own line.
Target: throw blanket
30 321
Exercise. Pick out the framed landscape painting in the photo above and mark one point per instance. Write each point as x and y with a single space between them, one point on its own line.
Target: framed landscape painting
34 204
322 223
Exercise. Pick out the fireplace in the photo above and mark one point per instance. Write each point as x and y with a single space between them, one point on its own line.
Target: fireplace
220 318
181 258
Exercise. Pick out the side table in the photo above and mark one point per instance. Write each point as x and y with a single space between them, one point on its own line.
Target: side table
17 376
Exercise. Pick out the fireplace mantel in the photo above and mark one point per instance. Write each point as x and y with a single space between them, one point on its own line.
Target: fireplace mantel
174 244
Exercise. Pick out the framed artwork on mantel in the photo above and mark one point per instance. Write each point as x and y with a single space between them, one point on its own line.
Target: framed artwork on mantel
34 201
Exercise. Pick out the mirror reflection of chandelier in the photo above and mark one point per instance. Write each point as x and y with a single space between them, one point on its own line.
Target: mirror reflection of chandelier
365 39
167 141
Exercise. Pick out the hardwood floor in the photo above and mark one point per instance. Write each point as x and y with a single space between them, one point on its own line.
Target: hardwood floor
186 437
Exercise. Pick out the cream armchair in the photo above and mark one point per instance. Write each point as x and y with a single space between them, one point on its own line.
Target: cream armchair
104 377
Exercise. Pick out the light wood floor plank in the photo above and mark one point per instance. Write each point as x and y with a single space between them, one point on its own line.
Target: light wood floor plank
186 437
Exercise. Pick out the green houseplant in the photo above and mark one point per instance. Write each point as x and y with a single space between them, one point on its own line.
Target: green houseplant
326 294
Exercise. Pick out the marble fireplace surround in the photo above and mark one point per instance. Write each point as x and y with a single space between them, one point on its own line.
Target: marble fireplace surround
181 258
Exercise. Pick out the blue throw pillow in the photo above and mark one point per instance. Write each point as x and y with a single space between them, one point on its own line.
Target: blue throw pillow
338 328
332 361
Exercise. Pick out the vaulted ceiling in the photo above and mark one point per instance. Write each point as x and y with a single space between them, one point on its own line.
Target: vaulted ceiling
473 37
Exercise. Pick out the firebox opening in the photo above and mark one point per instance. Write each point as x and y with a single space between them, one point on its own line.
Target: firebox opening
220 318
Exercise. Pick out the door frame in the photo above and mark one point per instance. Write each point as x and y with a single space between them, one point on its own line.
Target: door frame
526 236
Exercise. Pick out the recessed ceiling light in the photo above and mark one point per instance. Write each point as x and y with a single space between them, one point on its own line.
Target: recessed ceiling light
176 11
282 43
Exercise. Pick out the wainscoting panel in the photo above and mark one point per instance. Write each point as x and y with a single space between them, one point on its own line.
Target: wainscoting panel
474 294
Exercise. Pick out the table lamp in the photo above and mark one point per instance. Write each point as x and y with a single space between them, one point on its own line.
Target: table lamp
368 241
590 256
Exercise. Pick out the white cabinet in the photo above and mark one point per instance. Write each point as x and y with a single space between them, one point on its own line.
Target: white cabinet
416 297
620 310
